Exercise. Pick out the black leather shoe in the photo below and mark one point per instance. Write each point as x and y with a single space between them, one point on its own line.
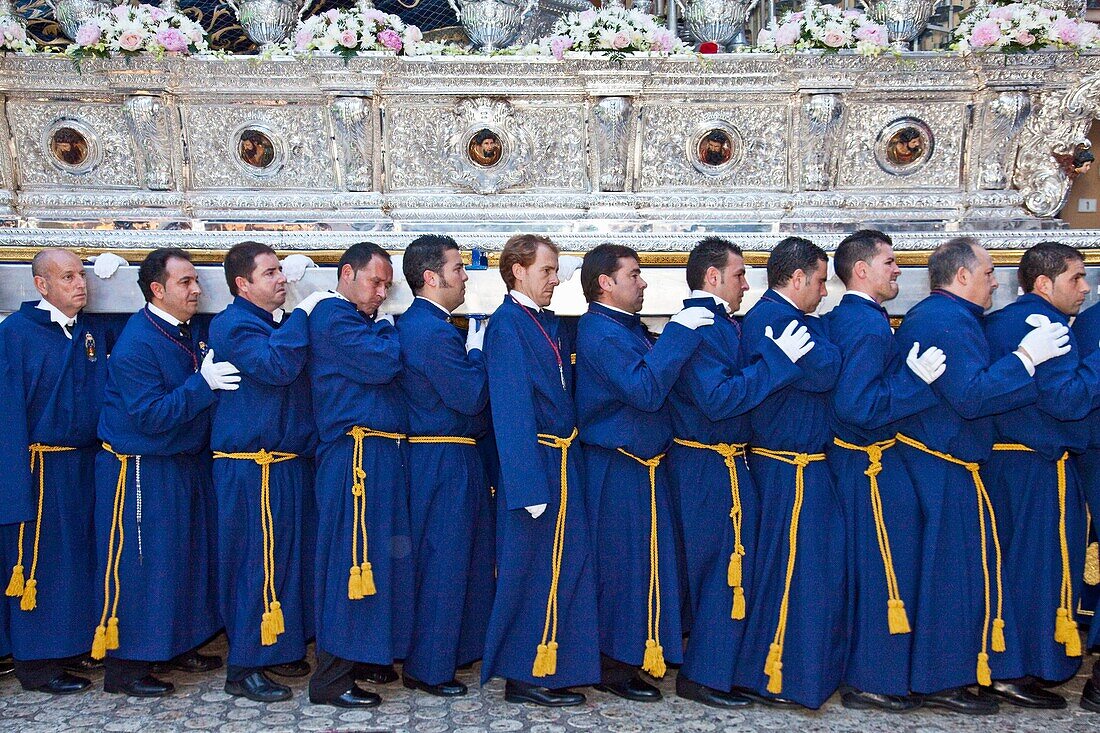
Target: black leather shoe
300 668
7 666
195 663
859 700
768 700
454 688
147 686
82 664
961 700
356 697
690 690
520 692
635 689
258 687
376 674
1090 697
1024 695
64 684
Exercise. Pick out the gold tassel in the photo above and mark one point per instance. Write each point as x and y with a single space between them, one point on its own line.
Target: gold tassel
551 659
1060 626
368 580
15 585
998 643
738 611
112 632
278 623
355 584
99 642
896 616
774 653
267 633
30 596
985 675
538 669
1073 639
733 572
654 660
775 679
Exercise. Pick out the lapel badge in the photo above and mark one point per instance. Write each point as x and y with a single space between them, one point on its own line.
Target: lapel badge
89 347
203 348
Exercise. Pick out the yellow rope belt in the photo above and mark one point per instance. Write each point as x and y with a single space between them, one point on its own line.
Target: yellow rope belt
361 577
435 439
546 655
106 633
896 618
271 623
1065 625
27 591
729 453
773 667
984 506
654 659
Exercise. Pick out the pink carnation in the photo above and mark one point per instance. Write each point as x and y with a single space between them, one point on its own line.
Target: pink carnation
157 14
303 38
663 41
1002 12
172 40
559 45
88 34
587 16
347 38
1066 30
130 41
374 14
985 33
390 39
787 34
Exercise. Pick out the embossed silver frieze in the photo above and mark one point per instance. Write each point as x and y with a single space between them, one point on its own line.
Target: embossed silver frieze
612 116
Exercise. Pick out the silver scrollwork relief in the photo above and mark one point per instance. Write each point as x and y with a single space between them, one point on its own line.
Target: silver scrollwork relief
1003 116
612 116
822 115
152 137
352 118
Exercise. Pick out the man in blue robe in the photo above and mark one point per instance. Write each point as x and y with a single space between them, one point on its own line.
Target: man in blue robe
714 497
876 389
54 364
623 381
542 635
361 486
261 435
447 392
794 640
961 610
1032 479
157 601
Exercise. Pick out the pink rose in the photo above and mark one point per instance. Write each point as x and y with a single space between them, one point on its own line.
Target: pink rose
663 41
621 40
871 33
347 38
413 34
787 34
559 45
172 40
1066 30
834 38
985 33
1024 38
303 38
88 34
390 39
130 41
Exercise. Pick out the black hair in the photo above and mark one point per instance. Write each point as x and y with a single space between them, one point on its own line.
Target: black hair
154 268
359 256
859 246
426 252
603 259
789 256
240 261
708 253
1045 258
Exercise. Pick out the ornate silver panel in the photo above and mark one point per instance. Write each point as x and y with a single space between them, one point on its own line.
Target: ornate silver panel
822 117
353 119
1003 115
612 117
153 136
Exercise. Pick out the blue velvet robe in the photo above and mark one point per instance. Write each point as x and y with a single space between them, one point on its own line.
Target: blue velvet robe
796 418
1024 489
710 404
947 633
51 389
354 363
527 397
156 405
271 410
623 382
875 390
1086 332
447 393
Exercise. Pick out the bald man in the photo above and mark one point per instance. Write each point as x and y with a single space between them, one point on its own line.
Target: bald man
54 364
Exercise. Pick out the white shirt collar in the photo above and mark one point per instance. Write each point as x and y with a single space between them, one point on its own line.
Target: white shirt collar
278 314
437 305
617 310
172 320
524 300
784 297
862 294
704 294
56 316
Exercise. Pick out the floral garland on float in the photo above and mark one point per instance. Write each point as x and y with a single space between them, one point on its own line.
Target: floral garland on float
1018 27
13 35
351 32
133 30
824 27
612 31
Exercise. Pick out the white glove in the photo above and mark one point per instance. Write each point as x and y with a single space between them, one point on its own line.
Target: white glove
694 317
387 317
1037 319
107 264
567 266
308 303
1045 342
295 266
535 510
794 341
220 375
929 366
475 335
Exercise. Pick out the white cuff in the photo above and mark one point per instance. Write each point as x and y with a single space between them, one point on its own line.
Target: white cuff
1026 361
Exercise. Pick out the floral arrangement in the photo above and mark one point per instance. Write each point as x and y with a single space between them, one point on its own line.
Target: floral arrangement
825 27
1019 27
611 30
13 36
348 32
131 30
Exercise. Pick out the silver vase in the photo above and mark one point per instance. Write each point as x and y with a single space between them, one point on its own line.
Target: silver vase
905 20
267 22
71 14
717 21
491 24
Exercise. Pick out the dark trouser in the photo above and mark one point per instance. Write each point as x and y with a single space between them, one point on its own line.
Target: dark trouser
233 673
332 678
121 672
614 672
34 673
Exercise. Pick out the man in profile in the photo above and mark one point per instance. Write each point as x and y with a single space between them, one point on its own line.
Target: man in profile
485 148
